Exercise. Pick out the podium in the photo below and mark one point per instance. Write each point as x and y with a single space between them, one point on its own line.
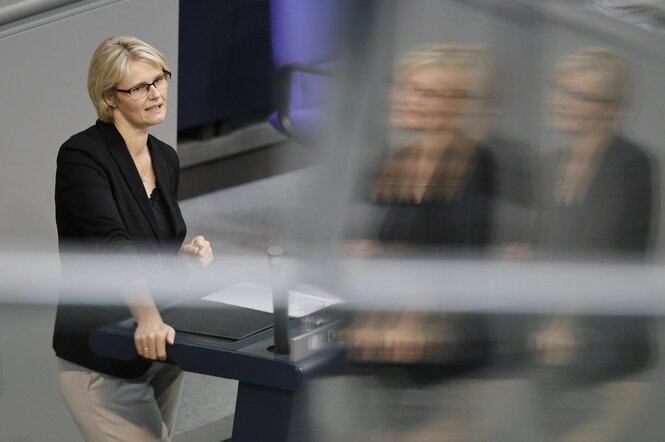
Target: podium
272 402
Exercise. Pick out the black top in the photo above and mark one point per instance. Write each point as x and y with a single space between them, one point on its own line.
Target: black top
617 215
159 209
615 220
460 220
463 221
101 207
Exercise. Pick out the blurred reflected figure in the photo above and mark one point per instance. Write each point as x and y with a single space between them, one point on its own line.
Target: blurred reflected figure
437 188
599 203
600 187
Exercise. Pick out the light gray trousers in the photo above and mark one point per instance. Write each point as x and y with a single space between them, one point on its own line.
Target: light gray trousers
108 408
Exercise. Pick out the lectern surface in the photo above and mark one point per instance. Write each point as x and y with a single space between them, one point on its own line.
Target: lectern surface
216 319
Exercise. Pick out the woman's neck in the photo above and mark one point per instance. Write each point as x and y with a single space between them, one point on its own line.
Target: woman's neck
591 145
437 141
135 139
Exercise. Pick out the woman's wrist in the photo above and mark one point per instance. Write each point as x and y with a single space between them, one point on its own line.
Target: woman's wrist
141 305
145 314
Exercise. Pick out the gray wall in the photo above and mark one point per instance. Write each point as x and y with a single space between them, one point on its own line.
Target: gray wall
43 101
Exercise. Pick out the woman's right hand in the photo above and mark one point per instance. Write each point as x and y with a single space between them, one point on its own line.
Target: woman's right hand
151 334
151 337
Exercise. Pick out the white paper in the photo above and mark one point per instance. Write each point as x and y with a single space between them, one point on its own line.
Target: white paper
302 301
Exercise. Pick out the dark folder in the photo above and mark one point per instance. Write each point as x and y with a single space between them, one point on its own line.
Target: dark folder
216 319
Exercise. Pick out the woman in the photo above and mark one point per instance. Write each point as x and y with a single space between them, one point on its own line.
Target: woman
600 198
115 194
437 189
600 202
600 188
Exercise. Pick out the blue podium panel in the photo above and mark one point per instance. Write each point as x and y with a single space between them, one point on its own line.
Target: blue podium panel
271 387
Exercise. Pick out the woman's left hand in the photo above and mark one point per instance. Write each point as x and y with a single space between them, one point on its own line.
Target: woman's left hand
200 249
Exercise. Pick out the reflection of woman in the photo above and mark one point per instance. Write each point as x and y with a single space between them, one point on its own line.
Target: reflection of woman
599 194
438 191
600 190
116 194
438 188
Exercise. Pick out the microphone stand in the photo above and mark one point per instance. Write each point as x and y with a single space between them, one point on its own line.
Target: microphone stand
280 301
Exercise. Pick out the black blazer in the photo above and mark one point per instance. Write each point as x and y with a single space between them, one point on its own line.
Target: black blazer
619 213
101 207
617 219
465 222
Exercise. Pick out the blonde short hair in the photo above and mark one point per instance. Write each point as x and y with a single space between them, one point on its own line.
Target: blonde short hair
110 63
477 60
602 60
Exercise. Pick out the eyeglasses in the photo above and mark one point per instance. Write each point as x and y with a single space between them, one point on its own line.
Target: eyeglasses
580 96
437 94
141 90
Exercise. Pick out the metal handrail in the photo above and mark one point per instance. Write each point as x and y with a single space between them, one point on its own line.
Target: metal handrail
19 10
